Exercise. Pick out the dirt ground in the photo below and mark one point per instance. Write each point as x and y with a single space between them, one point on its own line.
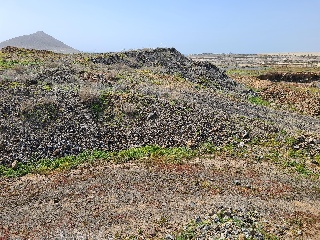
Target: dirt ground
151 199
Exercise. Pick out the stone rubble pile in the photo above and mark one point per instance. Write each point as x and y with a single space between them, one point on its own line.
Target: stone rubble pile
47 115
67 126
173 62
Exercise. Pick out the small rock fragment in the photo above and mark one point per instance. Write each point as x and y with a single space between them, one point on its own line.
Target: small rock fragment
237 182
14 164
169 237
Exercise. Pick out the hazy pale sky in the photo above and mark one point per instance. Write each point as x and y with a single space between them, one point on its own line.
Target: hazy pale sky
216 26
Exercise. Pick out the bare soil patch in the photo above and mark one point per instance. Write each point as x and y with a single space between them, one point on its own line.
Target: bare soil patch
149 201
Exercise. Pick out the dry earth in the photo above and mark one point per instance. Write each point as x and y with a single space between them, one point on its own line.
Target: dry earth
149 200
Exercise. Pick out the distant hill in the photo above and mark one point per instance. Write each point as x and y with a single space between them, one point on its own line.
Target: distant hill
39 41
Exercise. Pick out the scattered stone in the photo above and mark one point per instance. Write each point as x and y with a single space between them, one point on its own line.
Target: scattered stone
169 237
232 224
242 236
198 219
14 164
192 205
245 135
56 152
152 116
237 182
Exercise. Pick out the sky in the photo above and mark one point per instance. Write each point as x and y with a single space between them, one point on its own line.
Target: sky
191 26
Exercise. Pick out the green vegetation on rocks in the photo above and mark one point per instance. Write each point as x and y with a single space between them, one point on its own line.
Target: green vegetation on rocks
44 166
279 152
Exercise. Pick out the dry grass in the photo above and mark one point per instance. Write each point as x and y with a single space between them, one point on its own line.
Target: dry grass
90 92
296 97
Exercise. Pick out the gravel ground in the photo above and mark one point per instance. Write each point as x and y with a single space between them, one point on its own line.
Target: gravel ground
153 201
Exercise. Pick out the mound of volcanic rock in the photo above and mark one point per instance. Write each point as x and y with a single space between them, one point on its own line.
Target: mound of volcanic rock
173 62
34 127
67 104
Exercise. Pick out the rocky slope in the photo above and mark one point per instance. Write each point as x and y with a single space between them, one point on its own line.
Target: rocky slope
65 105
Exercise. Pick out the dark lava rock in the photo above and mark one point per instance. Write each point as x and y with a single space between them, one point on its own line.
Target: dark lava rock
173 62
302 77
68 104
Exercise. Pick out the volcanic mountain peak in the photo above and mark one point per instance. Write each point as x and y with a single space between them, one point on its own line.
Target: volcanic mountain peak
40 41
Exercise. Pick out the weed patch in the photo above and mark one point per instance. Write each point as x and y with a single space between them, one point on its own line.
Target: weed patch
283 155
5 64
44 166
258 101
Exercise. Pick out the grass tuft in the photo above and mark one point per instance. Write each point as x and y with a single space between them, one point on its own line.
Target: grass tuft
259 101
